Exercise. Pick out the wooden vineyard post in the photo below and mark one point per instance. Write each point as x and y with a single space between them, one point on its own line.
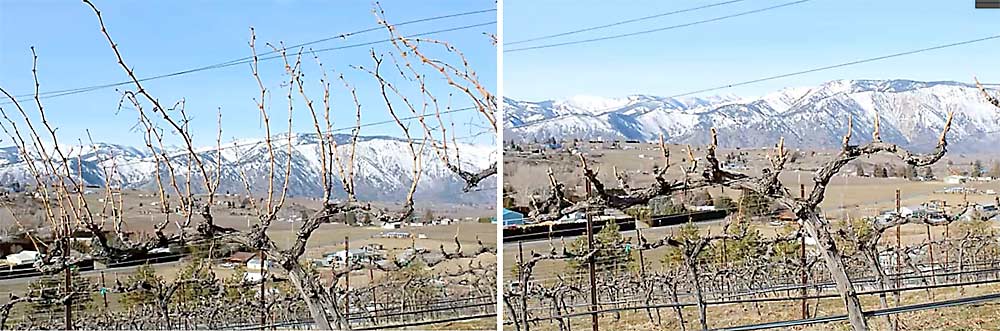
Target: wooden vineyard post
930 249
104 293
524 285
347 280
638 242
591 265
69 278
946 250
263 290
802 259
371 282
898 271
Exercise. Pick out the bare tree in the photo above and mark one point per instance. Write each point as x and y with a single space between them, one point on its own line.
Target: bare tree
989 97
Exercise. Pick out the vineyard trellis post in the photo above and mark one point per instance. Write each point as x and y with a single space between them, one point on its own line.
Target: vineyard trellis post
69 277
947 253
802 261
898 271
371 280
642 261
263 288
930 250
347 280
104 292
591 263
524 286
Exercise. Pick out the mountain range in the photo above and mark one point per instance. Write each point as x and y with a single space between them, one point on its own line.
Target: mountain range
383 168
911 113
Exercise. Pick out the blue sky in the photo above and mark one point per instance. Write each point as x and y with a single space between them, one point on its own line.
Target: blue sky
811 34
159 37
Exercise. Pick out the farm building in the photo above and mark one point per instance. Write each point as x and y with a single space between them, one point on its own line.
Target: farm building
255 264
241 258
511 217
395 235
955 179
23 257
14 244
338 258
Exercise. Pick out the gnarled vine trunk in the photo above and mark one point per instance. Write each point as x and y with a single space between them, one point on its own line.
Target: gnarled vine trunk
315 297
818 229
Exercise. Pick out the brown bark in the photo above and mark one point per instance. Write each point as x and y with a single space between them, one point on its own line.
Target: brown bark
315 298
819 229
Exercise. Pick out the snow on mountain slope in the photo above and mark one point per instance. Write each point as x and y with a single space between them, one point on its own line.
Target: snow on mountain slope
911 113
383 167
522 112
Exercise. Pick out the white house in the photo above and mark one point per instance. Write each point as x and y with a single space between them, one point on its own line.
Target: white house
252 277
254 264
339 257
23 257
954 179
394 235
574 216
366 253
390 226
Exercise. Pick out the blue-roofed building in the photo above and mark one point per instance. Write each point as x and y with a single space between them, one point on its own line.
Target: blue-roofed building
511 217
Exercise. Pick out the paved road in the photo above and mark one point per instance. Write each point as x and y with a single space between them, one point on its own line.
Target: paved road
657 232
20 280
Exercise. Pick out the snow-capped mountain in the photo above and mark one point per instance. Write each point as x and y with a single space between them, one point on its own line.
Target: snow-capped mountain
383 167
911 113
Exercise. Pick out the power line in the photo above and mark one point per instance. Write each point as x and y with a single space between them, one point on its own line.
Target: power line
802 72
184 72
655 30
621 22
339 36
229 64
58 93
